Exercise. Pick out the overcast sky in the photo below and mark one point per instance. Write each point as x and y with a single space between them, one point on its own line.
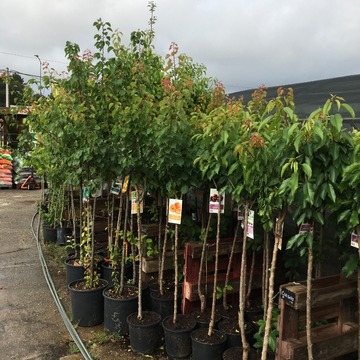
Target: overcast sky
243 43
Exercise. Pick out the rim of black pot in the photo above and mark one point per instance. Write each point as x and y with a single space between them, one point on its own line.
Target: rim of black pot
102 281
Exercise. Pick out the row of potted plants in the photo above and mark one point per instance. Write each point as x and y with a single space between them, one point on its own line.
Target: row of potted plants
125 113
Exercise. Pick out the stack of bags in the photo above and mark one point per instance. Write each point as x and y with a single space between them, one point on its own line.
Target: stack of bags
6 169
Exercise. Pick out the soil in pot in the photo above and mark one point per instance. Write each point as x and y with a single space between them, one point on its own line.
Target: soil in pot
230 327
254 311
203 319
117 307
87 305
146 333
207 347
229 313
177 336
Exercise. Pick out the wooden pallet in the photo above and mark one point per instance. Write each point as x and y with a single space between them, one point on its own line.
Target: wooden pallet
192 255
334 312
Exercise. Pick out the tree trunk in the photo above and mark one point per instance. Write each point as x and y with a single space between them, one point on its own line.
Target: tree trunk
124 242
160 239
176 246
140 251
92 266
225 305
308 294
242 287
202 297
265 273
251 276
163 256
269 310
358 288
212 319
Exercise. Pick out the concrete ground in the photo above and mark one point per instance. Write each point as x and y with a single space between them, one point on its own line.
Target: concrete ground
30 324
31 327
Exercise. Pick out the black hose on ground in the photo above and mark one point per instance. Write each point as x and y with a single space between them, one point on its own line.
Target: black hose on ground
54 293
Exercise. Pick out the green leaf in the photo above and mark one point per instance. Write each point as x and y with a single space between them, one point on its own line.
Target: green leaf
233 167
344 215
331 193
349 109
292 129
336 121
318 216
224 137
307 170
354 218
319 132
297 143
294 182
283 169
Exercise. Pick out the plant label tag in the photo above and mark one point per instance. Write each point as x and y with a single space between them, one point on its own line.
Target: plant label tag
116 187
354 240
250 224
214 202
288 296
175 209
134 204
304 228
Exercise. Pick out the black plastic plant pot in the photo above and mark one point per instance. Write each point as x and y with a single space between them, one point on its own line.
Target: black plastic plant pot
163 305
207 347
49 234
73 271
61 235
145 334
116 310
87 305
177 336
108 272
226 326
232 353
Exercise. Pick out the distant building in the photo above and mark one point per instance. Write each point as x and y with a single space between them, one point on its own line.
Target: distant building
309 96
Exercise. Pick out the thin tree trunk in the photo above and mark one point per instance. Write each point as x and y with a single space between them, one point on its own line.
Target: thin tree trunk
228 270
318 267
358 288
242 287
73 214
265 270
92 266
176 246
124 242
160 240
140 251
269 310
308 295
251 276
163 256
202 297
213 304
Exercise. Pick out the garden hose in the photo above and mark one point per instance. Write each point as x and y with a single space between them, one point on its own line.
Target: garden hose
54 293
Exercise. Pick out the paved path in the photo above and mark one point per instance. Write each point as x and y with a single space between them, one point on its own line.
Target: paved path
30 325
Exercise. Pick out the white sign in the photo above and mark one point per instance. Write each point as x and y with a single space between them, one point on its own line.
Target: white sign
214 202
250 224
354 240
175 210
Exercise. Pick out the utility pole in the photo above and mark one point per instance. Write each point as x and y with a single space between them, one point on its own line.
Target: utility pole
37 56
7 101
